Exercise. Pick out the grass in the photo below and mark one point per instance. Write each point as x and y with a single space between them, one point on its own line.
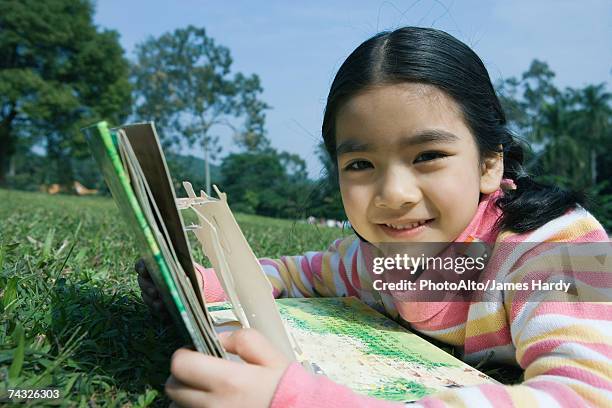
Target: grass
71 316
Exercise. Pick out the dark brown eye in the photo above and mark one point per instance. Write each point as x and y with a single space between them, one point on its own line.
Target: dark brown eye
358 165
429 156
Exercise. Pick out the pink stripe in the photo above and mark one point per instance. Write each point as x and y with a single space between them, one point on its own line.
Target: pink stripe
452 316
267 261
431 402
597 279
488 340
431 316
342 272
546 346
581 375
497 395
595 235
595 311
306 269
565 396
354 274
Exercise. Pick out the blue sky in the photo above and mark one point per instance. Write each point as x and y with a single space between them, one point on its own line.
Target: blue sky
296 47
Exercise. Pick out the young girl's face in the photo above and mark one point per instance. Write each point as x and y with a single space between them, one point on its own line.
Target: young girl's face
409 167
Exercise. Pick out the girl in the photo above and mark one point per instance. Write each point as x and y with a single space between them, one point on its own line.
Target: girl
423 155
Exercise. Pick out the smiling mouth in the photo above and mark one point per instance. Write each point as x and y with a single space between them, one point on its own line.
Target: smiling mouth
409 226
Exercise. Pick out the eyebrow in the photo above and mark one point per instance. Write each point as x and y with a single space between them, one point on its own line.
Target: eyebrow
419 138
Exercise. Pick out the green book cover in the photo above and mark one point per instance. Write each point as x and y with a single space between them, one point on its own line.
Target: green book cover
103 145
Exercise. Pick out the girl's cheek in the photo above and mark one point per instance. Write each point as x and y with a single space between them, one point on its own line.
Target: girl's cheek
355 201
458 201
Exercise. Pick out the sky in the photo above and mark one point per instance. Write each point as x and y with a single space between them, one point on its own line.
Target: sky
296 47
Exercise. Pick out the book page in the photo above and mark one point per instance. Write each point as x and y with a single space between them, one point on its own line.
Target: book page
358 347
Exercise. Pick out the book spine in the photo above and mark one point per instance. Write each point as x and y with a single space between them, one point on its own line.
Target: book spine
110 143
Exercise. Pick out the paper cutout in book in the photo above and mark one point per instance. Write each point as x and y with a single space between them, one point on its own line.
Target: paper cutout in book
241 275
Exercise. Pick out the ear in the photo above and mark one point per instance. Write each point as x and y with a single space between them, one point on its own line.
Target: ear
491 173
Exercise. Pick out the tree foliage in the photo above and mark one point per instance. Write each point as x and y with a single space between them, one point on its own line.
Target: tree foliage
266 183
276 184
58 72
325 199
183 82
570 131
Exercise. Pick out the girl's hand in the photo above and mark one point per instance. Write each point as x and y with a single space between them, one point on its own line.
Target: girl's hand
198 380
149 292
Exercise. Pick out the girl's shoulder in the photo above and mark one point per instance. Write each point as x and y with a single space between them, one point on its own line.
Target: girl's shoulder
344 244
576 225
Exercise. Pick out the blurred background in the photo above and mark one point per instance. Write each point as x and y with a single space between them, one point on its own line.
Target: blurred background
242 85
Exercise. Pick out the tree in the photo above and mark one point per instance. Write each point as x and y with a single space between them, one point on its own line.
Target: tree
539 90
294 166
182 81
57 74
544 115
514 108
326 200
593 122
570 130
266 183
253 182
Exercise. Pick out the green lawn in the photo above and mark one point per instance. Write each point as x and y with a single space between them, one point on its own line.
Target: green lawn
71 316
70 305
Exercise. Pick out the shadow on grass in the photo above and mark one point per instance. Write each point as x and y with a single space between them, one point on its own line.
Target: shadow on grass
122 348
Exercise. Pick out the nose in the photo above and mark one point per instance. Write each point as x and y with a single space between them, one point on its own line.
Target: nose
397 189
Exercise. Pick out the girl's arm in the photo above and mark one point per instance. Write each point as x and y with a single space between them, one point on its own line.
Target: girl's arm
334 272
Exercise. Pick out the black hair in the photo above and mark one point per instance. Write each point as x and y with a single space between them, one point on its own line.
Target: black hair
429 56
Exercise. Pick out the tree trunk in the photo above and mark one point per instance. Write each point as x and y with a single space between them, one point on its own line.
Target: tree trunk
4 158
593 167
206 168
11 169
7 144
205 126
